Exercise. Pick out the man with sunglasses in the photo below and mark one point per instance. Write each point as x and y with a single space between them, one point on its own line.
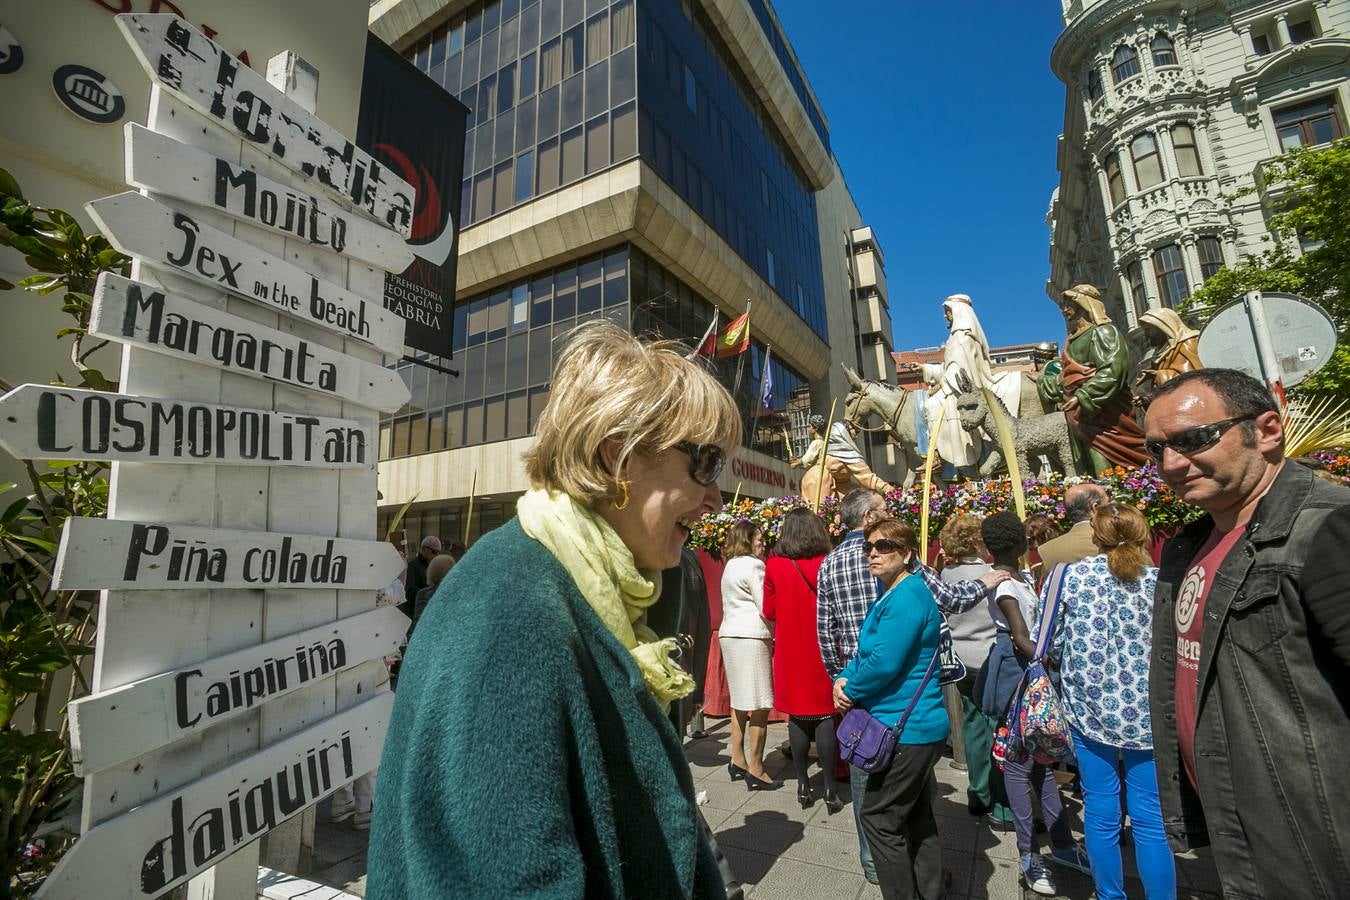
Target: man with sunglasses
846 590
1250 676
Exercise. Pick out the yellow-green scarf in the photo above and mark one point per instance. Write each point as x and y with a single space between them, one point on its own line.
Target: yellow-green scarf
603 568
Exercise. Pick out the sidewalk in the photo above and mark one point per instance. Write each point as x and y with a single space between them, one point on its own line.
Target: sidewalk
780 851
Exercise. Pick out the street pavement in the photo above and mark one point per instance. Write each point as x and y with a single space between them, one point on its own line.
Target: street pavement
780 851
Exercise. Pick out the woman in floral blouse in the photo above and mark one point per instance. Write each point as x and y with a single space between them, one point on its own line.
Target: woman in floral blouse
1102 642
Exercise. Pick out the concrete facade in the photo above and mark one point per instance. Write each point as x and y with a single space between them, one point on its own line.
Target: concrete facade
1171 108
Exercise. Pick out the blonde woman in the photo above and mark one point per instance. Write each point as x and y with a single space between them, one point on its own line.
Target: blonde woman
529 751
1103 639
747 653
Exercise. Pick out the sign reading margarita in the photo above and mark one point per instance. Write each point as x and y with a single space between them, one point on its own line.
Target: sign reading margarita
134 313
38 422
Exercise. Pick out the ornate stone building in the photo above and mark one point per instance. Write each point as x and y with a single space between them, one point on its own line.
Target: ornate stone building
1171 110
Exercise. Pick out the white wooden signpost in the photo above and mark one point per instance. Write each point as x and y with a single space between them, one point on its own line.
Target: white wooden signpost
133 313
239 673
179 242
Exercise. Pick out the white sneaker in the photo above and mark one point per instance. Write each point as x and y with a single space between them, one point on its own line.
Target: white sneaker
1036 874
341 809
361 821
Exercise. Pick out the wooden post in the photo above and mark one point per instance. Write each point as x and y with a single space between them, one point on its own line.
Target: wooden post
824 454
166 765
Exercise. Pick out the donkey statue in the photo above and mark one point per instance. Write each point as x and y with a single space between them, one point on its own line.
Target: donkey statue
1032 436
898 410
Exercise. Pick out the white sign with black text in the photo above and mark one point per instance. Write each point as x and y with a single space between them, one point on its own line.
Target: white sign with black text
157 162
172 240
41 422
220 87
160 844
131 312
121 724
117 554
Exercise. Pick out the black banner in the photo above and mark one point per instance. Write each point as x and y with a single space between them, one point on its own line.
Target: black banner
414 126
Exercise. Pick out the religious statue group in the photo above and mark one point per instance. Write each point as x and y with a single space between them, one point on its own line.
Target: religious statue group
1080 414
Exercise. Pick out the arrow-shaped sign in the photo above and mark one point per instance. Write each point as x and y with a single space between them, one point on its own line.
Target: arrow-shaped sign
176 242
114 554
147 851
137 718
159 163
42 422
241 101
130 312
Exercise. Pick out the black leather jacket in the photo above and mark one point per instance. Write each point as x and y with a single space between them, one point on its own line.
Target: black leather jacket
1272 735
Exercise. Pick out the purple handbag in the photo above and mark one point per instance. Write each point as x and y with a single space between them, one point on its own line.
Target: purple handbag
865 742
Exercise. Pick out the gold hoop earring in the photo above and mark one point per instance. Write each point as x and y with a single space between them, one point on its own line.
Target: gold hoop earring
623 484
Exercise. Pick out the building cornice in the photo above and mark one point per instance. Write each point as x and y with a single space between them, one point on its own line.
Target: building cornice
1244 88
1087 27
400 23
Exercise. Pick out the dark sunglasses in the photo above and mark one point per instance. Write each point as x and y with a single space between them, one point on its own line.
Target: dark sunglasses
881 546
1193 440
705 461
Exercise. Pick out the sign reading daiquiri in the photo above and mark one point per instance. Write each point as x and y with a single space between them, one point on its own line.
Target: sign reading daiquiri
38 422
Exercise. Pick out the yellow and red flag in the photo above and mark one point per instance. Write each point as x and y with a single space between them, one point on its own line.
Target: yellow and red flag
733 339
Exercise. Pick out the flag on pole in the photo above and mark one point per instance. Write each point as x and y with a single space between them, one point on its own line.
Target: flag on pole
766 385
707 336
732 340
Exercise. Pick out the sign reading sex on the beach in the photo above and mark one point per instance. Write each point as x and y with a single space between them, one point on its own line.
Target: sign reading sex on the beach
173 240
232 95
41 422
134 313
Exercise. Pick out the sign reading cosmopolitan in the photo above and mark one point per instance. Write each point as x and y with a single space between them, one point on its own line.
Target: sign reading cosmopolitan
240 670
416 128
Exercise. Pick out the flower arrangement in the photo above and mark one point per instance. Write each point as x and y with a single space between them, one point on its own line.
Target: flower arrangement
1141 487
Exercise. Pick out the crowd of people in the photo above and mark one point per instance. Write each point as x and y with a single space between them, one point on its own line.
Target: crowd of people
536 742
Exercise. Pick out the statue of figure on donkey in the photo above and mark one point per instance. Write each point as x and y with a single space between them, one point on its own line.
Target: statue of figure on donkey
844 466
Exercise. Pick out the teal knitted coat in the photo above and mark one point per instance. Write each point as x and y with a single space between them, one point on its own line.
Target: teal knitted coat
525 756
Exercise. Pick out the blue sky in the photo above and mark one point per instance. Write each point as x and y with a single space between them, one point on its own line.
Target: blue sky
944 117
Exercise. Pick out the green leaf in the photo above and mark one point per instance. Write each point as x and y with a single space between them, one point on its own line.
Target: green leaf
13 510
8 186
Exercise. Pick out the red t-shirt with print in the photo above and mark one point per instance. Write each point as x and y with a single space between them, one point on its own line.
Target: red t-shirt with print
1189 618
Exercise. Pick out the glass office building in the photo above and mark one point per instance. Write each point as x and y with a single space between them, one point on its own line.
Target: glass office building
622 160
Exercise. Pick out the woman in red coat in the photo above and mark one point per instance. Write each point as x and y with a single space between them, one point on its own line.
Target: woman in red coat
801 686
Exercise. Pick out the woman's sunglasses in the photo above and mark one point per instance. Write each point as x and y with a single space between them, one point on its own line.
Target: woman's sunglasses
1192 440
882 546
705 461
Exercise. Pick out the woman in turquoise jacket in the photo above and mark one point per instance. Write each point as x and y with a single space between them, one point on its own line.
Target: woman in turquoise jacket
896 645
529 753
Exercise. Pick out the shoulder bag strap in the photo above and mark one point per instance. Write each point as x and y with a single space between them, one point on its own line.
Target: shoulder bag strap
1050 611
927 677
804 578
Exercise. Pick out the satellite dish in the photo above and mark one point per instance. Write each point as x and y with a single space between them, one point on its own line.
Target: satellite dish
1302 336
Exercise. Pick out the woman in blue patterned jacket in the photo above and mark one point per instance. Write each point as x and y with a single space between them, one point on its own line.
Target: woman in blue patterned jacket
1102 641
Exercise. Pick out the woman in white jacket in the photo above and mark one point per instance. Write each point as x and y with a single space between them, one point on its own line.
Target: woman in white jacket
747 653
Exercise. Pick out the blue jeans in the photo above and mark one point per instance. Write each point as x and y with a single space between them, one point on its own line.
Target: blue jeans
857 786
1099 770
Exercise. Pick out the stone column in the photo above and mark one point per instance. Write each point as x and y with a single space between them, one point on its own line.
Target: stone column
1282 35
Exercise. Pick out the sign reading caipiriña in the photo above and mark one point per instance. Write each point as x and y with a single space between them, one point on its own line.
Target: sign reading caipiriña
131 312
158 163
121 724
211 81
41 422
172 240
